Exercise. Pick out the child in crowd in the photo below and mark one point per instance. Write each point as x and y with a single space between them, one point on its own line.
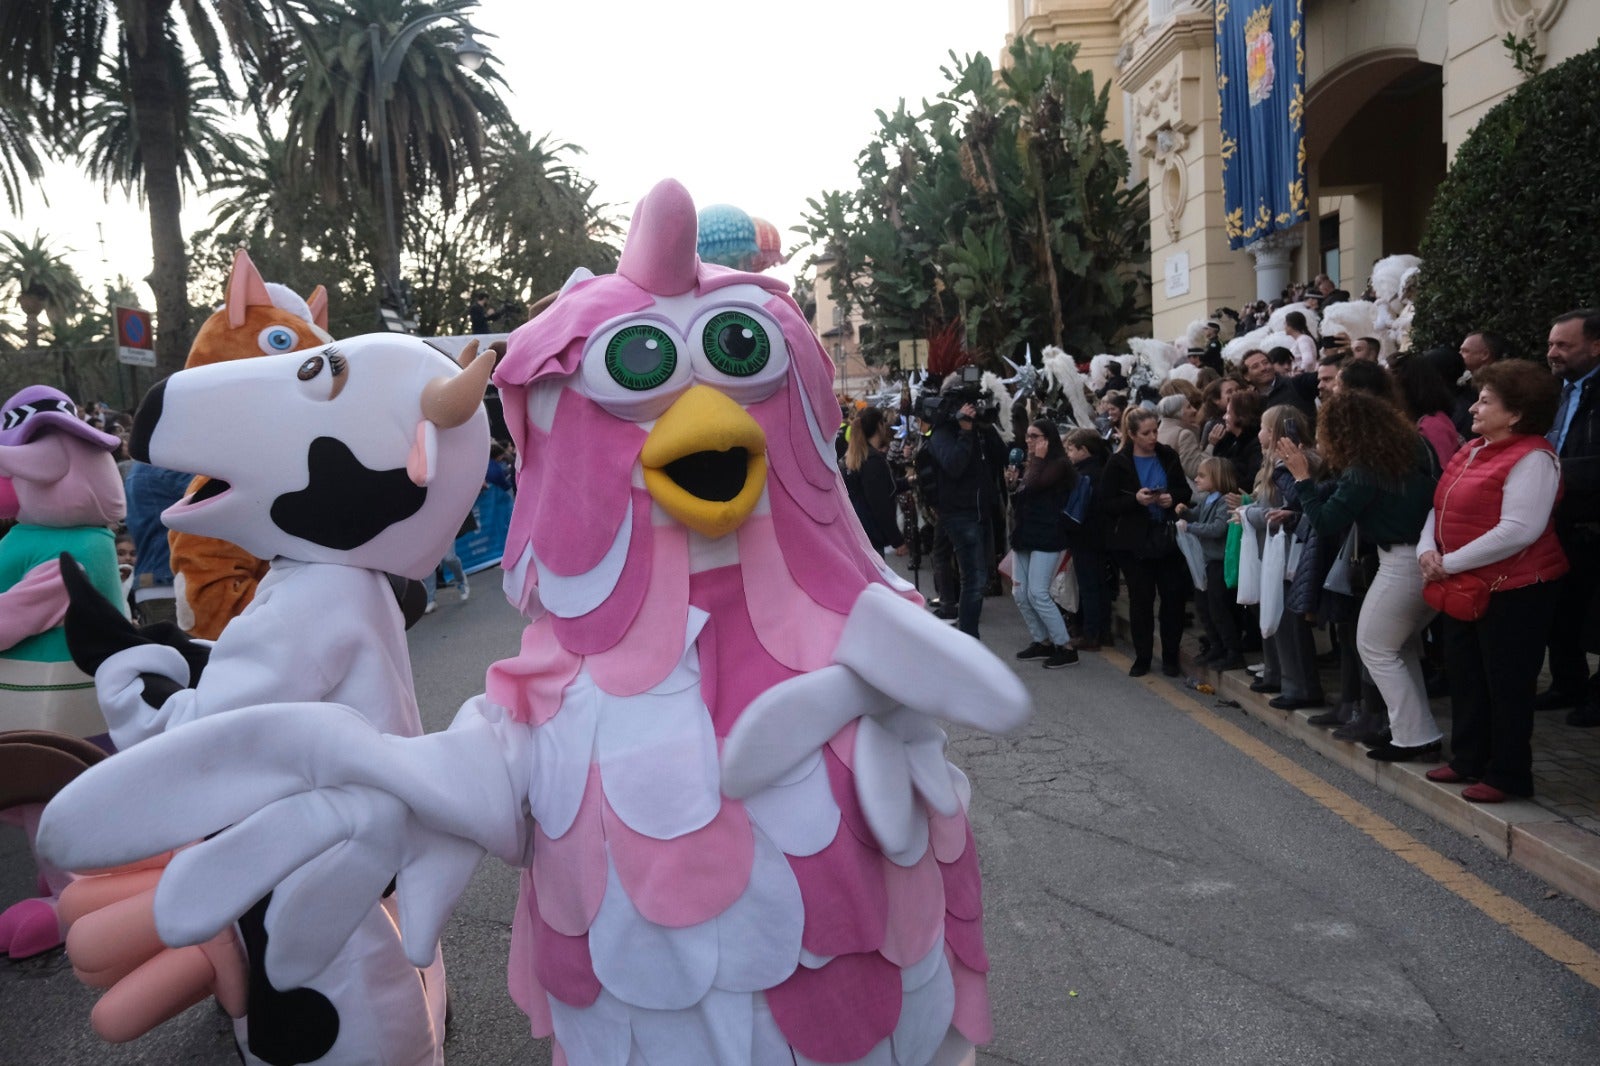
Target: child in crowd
1290 655
1208 521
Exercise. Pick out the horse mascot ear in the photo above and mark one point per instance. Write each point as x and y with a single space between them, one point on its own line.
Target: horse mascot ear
213 580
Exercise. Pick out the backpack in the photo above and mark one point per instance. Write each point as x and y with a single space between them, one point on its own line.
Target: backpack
1076 509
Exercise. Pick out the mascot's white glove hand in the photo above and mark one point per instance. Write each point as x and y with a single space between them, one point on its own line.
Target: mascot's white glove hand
126 702
898 670
320 809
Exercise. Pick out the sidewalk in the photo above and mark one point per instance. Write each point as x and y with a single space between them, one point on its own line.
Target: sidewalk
1555 835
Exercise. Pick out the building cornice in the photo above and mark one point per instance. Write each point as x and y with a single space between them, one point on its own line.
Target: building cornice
1186 31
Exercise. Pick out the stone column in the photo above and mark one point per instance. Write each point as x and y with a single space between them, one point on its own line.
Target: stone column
1273 254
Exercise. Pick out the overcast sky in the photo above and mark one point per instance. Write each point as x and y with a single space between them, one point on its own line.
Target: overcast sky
754 103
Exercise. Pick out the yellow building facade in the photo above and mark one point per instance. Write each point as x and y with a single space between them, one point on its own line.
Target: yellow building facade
1392 89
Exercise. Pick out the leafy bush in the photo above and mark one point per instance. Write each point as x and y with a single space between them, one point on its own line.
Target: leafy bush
1508 244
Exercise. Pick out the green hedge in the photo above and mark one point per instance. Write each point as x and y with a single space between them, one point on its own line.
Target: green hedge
1511 239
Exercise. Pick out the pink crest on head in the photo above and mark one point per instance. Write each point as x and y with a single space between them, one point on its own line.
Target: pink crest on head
659 254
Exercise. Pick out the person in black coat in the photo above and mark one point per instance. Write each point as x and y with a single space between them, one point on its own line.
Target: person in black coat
1086 540
966 492
1038 537
1143 483
1239 441
870 482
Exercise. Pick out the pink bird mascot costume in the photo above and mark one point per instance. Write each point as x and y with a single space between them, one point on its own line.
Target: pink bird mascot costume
717 757
62 484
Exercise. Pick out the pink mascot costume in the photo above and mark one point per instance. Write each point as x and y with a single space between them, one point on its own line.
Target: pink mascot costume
61 483
716 759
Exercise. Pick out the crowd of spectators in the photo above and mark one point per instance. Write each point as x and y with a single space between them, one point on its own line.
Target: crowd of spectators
1440 520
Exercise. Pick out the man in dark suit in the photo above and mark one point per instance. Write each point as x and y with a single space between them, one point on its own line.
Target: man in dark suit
1573 353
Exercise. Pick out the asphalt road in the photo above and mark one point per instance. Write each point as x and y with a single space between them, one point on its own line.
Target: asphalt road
1153 894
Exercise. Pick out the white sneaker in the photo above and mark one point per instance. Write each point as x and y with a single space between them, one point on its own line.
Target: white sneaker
465 592
430 608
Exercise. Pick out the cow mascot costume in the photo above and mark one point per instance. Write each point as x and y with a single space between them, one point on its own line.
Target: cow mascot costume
716 758
363 460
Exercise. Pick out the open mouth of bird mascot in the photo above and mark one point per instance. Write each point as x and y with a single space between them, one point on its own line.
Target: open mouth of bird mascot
341 454
705 462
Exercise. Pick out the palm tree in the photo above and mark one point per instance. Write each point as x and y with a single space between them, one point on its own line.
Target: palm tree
437 112
106 134
52 52
538 211
20 153
43 281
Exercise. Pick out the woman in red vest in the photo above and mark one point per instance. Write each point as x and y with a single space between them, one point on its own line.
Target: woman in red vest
1490 541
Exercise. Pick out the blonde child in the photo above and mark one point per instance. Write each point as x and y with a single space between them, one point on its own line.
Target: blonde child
1208 521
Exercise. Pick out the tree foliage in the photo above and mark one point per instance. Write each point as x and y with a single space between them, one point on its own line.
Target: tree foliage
147 96
1003 204
1506 246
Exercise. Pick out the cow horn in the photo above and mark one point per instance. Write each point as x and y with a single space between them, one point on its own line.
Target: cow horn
448 402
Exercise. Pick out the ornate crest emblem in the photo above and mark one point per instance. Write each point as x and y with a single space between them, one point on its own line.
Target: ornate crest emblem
1259 47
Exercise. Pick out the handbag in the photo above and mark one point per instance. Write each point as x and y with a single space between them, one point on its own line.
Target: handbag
1464 597
1343 574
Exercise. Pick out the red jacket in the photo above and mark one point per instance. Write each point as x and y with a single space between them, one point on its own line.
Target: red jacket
1466 505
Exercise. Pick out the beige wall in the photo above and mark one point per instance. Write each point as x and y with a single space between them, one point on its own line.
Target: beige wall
851 373
1480 71
1380 126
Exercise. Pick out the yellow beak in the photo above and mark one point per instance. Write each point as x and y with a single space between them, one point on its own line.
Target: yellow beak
705 462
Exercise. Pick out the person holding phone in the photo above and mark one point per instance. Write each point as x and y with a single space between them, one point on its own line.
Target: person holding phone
1143 483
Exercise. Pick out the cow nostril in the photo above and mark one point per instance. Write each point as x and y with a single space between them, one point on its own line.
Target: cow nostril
144 421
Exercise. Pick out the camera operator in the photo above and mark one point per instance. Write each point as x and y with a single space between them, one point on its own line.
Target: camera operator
966 495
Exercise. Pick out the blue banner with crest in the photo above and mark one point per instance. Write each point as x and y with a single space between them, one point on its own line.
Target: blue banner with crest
1261 79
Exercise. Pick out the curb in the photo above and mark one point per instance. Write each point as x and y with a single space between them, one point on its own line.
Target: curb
1535 838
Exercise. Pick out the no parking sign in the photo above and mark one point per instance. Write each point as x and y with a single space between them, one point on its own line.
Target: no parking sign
136 341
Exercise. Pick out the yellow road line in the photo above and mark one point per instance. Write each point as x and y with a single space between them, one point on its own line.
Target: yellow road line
1500 908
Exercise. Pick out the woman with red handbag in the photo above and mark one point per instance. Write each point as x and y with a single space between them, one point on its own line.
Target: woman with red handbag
1490 557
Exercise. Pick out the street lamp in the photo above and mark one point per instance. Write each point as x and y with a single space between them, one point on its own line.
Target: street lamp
470 54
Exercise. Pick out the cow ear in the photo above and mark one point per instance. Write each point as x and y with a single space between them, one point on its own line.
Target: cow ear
245 289
424 457
318 302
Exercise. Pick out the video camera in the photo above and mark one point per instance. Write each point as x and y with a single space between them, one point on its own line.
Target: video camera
960 389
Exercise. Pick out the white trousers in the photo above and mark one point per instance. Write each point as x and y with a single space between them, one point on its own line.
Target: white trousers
1393 616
